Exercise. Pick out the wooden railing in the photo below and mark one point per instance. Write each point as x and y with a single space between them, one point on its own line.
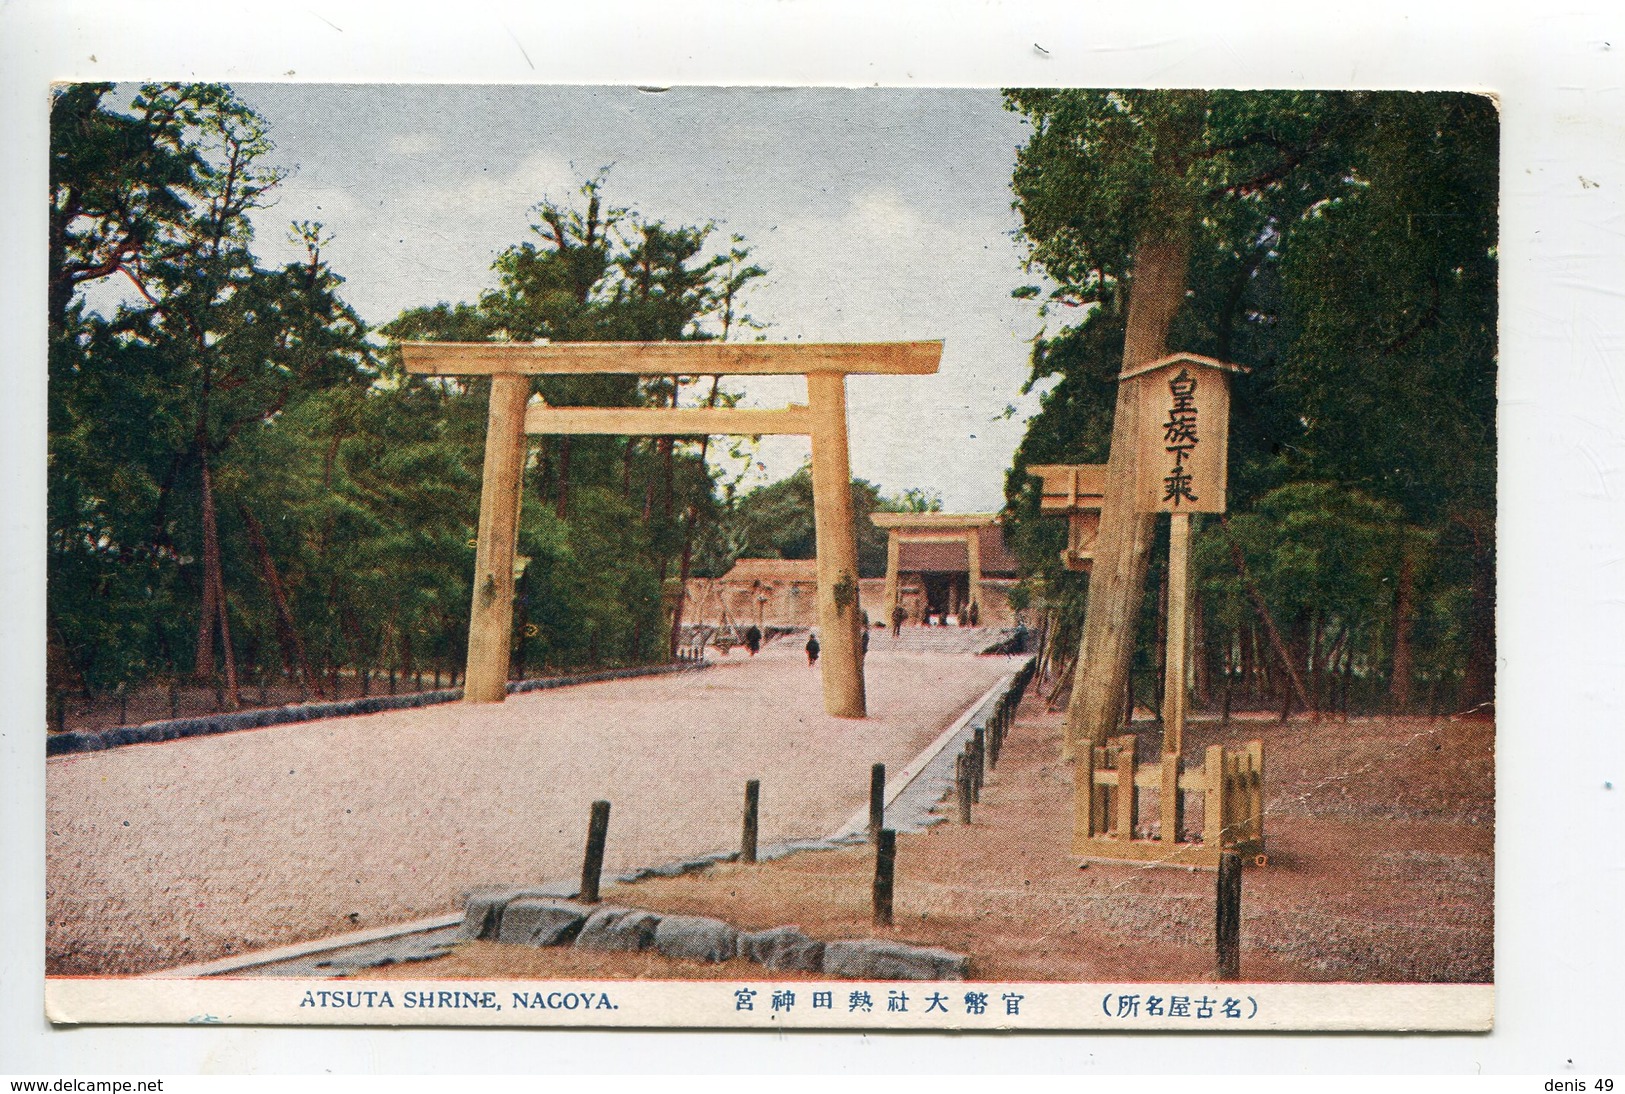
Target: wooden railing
1230 781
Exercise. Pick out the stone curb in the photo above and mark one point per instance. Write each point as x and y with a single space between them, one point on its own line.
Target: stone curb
527 919
58 744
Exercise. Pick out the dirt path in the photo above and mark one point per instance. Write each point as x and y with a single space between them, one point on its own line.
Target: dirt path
1380 870
193 849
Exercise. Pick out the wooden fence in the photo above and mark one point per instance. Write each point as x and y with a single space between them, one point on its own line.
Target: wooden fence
1230 782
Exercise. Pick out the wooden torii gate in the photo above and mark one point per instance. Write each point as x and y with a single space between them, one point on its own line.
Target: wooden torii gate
513 414
955 528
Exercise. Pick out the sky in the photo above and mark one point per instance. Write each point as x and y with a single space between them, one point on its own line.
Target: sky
879 214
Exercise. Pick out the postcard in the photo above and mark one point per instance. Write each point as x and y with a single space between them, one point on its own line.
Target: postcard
741 558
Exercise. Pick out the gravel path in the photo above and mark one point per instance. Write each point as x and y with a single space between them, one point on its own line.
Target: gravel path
189 850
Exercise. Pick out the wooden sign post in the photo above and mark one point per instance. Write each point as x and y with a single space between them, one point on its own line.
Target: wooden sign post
1182 467
1184 440
513 414
1075 490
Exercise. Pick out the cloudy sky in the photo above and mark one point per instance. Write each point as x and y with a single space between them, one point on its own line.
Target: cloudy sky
880 214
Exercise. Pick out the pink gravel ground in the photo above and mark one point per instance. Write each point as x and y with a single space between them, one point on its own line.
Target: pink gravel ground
189 850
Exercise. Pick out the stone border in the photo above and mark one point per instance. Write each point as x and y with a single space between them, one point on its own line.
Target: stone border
526 918
1011 640
57 744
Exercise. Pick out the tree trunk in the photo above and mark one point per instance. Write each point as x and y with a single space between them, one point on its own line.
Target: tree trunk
1264 617
1123 547
562 509
682 584
1159 643
1202 655
1478 677
1249 678
293 647
1400 680
1316 625
692 516
214 581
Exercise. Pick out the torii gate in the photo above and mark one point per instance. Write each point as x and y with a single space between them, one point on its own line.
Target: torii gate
904 528
512 415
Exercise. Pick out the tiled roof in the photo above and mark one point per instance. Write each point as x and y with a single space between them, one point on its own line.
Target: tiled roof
773 569
952 558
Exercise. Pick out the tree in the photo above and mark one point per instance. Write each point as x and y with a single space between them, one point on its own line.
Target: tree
203 346
593 272
1174 219
776 521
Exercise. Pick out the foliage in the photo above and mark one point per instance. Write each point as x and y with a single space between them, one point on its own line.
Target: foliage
776 521
149 397
1344 250
239 476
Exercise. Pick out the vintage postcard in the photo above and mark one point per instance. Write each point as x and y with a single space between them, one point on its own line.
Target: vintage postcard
881 559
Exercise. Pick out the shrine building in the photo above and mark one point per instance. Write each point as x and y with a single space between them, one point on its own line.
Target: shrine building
939 564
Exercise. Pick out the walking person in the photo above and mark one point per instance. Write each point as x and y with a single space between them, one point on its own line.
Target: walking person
753 639
812 649
897 617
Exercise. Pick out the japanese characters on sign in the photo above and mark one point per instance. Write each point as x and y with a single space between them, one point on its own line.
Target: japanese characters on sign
895 1001
1184 418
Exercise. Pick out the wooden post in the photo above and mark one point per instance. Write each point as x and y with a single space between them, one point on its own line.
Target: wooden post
1255 793
839 614
1173 692
962 785
490 624
978 750
973 558
1227 917
592 862
1124 826
1258 825
1213 800
1173 815
893 560
877 802
747 837
885 872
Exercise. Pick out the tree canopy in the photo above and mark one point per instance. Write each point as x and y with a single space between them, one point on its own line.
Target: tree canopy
1342 247
241 474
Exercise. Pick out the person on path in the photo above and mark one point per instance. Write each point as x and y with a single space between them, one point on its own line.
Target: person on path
753 639
897 617
812 649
